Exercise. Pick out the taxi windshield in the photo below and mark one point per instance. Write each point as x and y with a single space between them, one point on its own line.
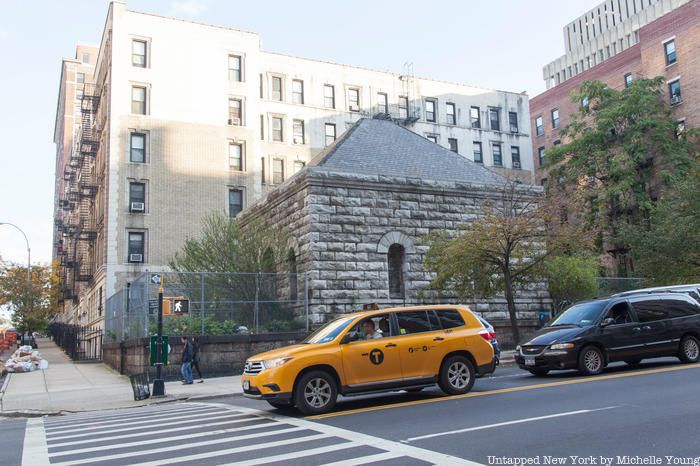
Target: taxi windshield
580 314
329 331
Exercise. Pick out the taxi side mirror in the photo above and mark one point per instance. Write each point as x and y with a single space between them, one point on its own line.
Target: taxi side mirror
607 321
348 337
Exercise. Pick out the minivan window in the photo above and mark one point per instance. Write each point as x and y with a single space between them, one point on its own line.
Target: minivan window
413 322
650 310
680 308
329 331
450 318
581 314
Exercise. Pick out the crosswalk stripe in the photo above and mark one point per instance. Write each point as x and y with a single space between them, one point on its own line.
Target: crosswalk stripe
366 459
175 429
231 451
78 422
296 454
160 424
194 445
125 422
34 448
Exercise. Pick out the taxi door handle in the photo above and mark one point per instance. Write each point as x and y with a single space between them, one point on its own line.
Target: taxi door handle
390 345
636 329
438 339
646 327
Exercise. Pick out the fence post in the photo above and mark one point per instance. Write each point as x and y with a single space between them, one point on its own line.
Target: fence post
306 299
256 310
201 300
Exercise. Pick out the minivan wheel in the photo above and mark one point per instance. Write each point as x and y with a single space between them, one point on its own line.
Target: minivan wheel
539 372
315 393
591 361
690 349
457 375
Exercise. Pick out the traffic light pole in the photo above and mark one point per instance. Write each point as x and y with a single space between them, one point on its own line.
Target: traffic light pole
158 383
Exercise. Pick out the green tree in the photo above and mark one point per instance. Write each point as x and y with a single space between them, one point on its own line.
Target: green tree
621 150
30 303
571 278
501 250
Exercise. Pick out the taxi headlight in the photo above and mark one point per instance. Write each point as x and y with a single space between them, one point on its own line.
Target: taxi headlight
562 346
271 363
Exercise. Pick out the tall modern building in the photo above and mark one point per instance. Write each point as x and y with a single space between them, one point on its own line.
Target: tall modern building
180 118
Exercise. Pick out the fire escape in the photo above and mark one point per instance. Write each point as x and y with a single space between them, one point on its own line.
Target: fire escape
77 222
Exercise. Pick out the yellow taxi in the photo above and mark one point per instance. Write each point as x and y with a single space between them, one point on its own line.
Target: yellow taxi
406 348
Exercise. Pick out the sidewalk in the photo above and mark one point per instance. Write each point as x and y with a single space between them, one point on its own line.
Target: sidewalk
67 386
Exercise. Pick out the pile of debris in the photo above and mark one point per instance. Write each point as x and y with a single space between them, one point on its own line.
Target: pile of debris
25 359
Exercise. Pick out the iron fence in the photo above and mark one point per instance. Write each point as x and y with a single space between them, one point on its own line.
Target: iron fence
209 303
81 343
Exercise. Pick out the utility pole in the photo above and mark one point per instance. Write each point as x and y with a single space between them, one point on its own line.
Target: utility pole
29 252
158 383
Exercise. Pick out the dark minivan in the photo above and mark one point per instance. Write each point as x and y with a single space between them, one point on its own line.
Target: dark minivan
628 327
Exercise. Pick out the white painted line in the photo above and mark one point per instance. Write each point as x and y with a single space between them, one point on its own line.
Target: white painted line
74 421
185 446
176 422
169 431
296 454
34 451
366 459
100 421
508 423
403 449
179 437
124 422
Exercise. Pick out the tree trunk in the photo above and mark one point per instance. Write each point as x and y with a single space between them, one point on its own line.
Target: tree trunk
511 306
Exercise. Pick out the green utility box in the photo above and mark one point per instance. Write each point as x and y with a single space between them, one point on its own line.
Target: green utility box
154 350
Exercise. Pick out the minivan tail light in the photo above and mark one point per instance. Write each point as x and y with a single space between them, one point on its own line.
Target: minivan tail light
485 335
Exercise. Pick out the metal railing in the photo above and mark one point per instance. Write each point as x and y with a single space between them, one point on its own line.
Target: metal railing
80 343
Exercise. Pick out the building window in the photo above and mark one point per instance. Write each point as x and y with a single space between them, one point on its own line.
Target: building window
298 91
298 132
354 100
235 155
556 143
262 127
330 133
539 126
513 121
540 155
277 88
495 119
430 110
670 51
277 171
235 202
555 118
263 171
328 96
453 144
234 68
80 78
382 103
584 103
628 79
235 112
478 157
680 128
85 58
138 100
136 246
298 166
451 114
674 90
432 137
403 107
497 155
137 195
277 132
475 117
137 148
78 96
396 257
138 53
515 156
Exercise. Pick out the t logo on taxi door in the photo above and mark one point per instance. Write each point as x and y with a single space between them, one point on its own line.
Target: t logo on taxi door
376 356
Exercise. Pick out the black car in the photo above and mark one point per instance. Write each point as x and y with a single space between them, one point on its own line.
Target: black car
629 328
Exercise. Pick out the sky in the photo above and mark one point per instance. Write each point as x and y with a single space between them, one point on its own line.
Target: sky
499 44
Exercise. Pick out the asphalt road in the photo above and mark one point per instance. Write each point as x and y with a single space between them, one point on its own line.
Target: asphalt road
645 412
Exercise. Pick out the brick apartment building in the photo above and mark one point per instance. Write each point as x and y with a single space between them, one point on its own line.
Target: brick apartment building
668 46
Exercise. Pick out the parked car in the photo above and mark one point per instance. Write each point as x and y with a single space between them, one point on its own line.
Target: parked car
494 339
383 350
628 327
692 290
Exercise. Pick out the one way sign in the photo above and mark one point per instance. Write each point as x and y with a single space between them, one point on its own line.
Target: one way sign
155 279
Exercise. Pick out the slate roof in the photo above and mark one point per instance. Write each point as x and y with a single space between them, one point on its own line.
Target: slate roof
381 147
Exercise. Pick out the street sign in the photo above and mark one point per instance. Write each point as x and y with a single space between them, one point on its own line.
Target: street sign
155 279
152 306
180 306
154 350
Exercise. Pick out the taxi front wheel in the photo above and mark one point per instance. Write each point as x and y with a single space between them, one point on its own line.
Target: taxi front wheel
315 393
457 375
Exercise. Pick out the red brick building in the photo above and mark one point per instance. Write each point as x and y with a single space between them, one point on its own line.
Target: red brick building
668 47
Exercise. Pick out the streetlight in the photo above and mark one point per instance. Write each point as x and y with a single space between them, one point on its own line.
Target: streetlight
29 254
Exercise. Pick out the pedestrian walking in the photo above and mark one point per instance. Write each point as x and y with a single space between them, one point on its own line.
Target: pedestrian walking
186 367
195 358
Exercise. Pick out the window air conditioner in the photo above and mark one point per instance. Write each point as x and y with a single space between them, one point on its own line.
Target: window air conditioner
135 257
298 141
354 108
516 164
138 207
234 121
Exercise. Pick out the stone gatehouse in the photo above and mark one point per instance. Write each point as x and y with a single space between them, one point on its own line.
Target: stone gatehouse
358 214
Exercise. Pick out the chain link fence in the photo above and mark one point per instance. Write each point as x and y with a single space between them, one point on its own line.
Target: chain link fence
209 303
612 285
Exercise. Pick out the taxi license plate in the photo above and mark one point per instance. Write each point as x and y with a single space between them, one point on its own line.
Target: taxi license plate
529 361
246 384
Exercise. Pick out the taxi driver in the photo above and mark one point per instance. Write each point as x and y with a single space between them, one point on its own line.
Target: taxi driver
368 331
